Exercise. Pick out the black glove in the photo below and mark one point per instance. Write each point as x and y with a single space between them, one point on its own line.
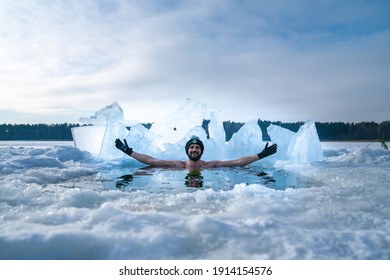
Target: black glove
267 151
123 146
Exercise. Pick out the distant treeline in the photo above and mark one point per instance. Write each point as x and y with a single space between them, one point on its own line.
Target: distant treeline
329 131
36 131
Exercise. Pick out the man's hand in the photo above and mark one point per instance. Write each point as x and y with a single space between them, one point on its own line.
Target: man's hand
267 151
123 146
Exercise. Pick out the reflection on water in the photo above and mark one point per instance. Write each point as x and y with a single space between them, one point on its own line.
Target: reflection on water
194 180
123 181
281 179
159 180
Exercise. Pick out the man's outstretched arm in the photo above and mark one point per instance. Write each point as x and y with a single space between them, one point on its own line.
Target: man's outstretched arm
267 151
146 159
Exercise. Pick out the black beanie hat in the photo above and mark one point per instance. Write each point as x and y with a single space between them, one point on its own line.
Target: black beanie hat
194 140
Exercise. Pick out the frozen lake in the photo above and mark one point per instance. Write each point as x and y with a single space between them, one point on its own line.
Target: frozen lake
57 202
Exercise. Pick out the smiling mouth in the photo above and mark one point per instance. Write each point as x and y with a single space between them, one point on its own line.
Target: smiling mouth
194 156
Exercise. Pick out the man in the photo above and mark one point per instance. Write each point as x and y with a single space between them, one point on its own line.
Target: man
194 149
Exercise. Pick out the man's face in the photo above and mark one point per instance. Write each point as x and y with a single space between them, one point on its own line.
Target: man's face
194 152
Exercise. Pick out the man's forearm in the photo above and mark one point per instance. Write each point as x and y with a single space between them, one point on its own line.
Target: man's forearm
247 160
235 162
143 158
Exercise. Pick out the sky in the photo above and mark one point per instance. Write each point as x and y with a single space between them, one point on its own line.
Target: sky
319 60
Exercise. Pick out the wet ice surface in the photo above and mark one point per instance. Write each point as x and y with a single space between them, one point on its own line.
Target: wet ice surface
57 202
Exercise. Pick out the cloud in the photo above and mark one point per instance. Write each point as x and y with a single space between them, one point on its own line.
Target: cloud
311 60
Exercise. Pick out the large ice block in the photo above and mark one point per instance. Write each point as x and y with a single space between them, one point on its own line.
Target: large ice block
282 137
246 141
305 146
175 126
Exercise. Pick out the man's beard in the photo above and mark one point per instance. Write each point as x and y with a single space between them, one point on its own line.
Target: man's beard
194 157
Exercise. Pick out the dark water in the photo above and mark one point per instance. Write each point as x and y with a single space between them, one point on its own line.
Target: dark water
221 179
